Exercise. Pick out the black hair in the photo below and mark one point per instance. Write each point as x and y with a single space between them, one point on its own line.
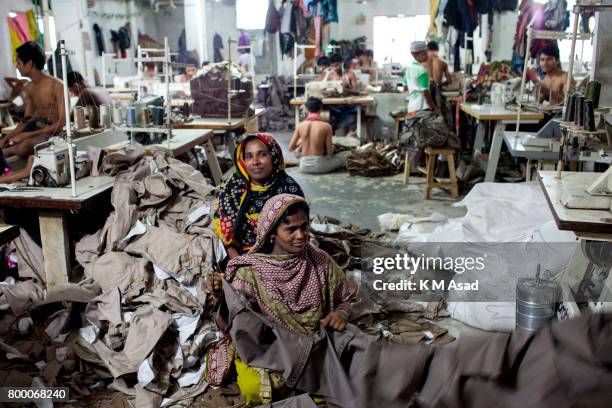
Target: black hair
347 63
291 210
31 51
369 53
433 46
335 59
74 77
551 49
314 105
323 61
359 52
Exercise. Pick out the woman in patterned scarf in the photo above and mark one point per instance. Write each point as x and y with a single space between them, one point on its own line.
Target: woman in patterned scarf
285 278
260 175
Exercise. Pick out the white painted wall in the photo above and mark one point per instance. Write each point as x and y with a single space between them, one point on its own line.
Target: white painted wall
349 10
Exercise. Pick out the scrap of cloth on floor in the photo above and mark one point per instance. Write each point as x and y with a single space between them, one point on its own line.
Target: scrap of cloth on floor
568 363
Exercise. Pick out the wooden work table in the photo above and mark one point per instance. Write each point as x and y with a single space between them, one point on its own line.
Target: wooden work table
53 206
485 115
580 221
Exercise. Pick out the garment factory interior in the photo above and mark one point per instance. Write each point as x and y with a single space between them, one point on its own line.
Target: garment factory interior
306 203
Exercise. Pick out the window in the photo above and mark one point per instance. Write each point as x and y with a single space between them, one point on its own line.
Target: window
251 14
393 35
584 49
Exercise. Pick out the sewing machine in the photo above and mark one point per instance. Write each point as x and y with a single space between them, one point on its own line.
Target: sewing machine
51 165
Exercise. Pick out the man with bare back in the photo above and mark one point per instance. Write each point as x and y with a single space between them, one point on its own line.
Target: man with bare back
436 67
44 104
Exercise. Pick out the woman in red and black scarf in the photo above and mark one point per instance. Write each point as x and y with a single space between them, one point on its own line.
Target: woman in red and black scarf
260 175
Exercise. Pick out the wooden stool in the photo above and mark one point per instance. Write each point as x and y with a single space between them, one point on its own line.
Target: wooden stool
432 155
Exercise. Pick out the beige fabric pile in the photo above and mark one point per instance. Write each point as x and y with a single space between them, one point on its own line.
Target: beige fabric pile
138 319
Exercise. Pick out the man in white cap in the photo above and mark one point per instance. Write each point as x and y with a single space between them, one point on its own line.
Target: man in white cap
416 80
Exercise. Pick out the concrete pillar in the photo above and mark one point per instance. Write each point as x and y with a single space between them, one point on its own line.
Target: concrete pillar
602 58
195 28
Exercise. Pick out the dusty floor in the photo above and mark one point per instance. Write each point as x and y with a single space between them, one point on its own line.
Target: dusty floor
360 200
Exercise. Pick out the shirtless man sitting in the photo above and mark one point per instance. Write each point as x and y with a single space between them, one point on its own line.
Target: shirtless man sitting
436 67
87 96
555 79
44 104
313 140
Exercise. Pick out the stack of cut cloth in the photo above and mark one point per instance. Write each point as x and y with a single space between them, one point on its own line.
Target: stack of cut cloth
372 160
279 116
144 325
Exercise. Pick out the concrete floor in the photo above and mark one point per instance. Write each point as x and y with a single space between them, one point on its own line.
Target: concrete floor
360 200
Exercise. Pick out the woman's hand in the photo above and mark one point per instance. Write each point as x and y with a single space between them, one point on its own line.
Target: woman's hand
215 285
335 321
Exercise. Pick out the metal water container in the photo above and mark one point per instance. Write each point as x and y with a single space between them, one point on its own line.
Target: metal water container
536 303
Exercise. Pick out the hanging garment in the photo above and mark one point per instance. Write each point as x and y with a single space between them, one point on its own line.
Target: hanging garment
22 28
273 19
434 6
218 46
99 39
557 16
286 12
124 41
330 11
115 42
58 63
301 25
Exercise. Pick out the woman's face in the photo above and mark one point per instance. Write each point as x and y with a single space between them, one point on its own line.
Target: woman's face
292 235
258 161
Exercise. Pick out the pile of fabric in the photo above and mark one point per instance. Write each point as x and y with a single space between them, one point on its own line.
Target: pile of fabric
279 116
137 322
372 160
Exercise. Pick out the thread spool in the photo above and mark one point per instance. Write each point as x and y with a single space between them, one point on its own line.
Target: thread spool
94 117
571 108
131 116
158 115
593 93
79 118
144 117
589 115
186 109
117 115
105 116
579 111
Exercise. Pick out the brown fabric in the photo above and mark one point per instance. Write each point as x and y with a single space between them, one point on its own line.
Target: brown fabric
29 257
567 364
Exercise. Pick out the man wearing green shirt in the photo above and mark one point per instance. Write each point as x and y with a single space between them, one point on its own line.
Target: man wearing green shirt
416 79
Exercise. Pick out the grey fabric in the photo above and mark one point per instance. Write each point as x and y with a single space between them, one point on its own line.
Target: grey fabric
301 401
569 363
425 129
349 368
323 164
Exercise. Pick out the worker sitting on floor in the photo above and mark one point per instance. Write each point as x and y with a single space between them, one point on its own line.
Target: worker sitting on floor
312 142
44 104
285 278
555 79
87 96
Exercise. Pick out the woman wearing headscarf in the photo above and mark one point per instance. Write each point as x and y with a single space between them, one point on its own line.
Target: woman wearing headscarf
285 278
260 174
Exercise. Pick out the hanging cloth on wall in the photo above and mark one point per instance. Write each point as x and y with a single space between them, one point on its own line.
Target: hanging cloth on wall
273 19
434 6
286 13
115 42
22 28
124 40
58 63
218 46
99 39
